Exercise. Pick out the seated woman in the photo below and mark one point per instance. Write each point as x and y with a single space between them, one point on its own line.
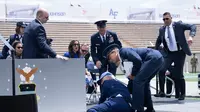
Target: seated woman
73 50
17 45
19 32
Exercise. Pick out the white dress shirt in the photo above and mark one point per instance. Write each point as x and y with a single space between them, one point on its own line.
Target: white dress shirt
171 48
103 37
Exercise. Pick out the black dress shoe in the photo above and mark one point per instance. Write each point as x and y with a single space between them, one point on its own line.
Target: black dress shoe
177 97
182 97
168 96
160 95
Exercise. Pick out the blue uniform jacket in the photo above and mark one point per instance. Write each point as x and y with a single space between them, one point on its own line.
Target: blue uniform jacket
138 56
97 46
11 39
111 88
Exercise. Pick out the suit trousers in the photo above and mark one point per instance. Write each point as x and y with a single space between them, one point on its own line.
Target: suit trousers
178 58
141 88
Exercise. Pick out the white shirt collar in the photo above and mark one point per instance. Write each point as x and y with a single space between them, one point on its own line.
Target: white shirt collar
102 36
121 65
170 26
119 57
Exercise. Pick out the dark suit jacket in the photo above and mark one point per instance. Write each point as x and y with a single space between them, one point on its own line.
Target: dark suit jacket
35 42
111 88
138 56
97 46
11 39
179 30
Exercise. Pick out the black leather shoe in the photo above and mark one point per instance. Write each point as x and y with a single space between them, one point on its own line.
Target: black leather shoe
182 97
160 95
168 96
177 97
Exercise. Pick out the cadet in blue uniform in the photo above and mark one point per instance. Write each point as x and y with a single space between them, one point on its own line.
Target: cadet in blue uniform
16 37
115 97
145 64
99 41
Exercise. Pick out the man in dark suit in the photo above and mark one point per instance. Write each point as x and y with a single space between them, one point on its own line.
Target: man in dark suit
99 41
144 64
176 46
115 97
35 39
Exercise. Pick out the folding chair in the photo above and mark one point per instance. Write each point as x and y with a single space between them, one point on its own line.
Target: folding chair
91 91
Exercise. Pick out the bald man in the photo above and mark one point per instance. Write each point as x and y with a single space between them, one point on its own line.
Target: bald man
35 39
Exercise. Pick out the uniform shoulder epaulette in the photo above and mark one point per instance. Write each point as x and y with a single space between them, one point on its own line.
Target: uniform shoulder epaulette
111 32
95 34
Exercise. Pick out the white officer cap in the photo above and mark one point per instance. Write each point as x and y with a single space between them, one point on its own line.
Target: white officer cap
103 75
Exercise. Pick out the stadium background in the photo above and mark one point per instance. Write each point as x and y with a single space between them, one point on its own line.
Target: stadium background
135 21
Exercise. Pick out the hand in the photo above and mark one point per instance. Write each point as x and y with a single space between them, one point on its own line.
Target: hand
98 64
61 57
190 41
167 73
87 72
131 77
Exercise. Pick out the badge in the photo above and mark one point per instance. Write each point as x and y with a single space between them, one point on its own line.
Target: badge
27 76
111 39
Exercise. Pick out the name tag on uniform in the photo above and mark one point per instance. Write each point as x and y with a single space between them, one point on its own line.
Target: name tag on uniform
97 44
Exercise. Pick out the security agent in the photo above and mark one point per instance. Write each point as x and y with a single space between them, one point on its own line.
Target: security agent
177 46
145 64
115 97
99 41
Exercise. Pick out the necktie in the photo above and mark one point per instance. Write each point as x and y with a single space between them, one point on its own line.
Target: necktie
104 39
172 44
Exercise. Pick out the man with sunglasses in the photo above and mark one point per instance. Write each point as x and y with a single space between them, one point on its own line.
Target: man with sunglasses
16 37
99 41
85 52
176 46
35 39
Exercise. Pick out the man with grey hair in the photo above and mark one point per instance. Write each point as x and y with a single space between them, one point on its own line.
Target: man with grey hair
85 52
35 39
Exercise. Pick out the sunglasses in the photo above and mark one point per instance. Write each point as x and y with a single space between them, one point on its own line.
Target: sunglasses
164 19
19 47
76 44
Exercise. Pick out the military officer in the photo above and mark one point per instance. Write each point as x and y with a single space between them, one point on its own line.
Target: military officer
144 64
115 97
99 41
194 62
20 26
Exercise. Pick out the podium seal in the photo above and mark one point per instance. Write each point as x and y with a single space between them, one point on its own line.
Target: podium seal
27 76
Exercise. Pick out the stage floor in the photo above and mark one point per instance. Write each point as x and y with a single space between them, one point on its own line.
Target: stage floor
174 105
